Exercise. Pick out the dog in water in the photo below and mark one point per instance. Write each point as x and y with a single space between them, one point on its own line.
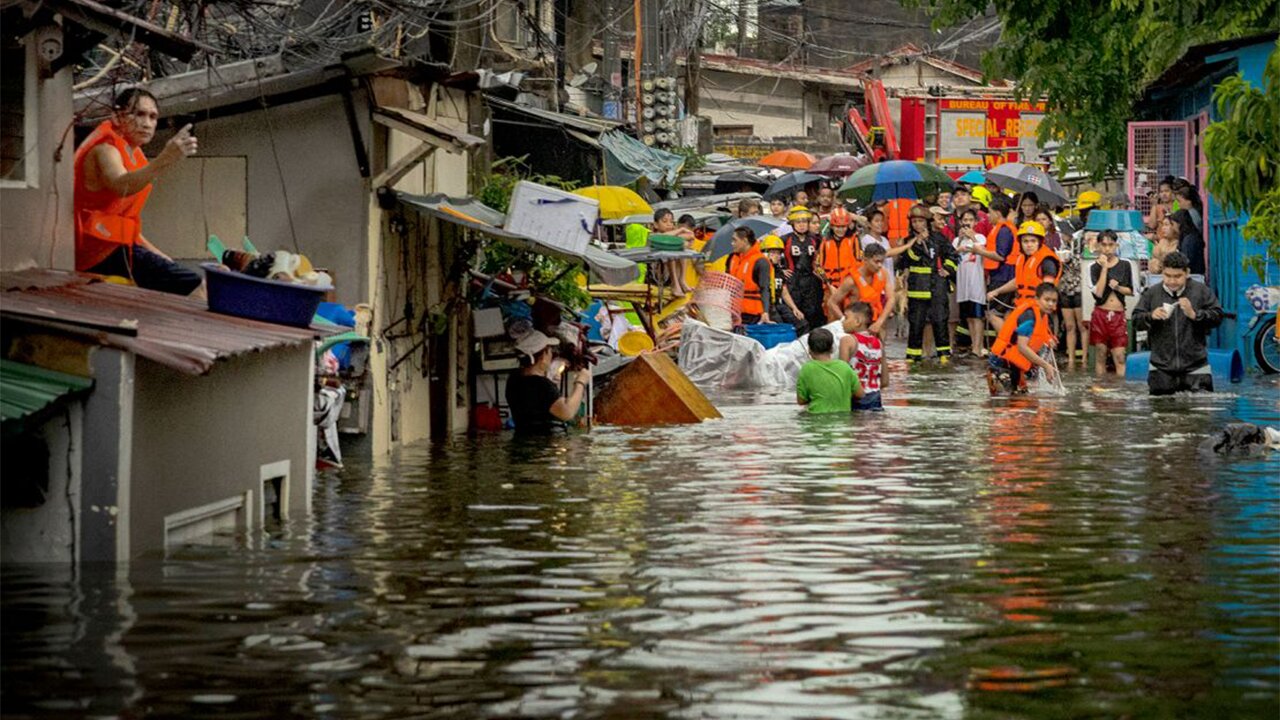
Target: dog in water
1240 439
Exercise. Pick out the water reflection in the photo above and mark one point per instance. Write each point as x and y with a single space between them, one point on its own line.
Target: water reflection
951 557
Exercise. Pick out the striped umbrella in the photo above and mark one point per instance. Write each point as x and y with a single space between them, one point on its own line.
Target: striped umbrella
894 180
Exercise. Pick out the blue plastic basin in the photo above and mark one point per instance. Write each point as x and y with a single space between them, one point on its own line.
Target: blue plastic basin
1226 365
772 334
233 293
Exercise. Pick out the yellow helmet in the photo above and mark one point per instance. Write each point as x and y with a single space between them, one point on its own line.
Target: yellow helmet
1088 199
799 212
1031 227
981 195
771 242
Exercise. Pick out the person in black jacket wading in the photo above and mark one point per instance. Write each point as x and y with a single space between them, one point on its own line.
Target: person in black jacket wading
1177 315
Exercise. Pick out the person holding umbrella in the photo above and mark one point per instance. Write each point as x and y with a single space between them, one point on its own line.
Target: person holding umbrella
930 264
803 283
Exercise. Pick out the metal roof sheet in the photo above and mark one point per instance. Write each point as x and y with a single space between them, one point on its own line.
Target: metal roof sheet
175 331
474 215
26 389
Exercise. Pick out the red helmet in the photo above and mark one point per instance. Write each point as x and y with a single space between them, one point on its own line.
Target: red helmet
839 216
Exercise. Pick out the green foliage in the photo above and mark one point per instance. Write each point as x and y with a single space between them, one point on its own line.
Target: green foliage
554 278
1091 60
1243 150
693 162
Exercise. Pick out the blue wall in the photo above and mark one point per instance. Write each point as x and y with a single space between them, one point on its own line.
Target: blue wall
1227 249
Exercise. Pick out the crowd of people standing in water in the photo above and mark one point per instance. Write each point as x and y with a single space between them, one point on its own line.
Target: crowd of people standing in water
976 273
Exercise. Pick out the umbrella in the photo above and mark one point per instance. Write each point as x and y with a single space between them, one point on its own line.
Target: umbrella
791 159
733 182
1024 178
615 201
839 165
789 183
894 180
721 243
973 177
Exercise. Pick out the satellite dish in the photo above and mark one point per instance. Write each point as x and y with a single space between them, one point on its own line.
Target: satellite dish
589 68
578 80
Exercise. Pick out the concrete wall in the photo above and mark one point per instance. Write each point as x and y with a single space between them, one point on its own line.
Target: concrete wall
318 172
774 107
917 75
50 532
200 440
36 227
408 260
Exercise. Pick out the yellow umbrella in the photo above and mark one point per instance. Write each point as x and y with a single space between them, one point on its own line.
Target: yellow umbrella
616 201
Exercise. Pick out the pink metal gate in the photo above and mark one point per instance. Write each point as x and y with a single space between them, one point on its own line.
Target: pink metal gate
1157 149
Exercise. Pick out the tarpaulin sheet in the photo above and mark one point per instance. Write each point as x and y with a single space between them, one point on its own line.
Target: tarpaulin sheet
470 213
720 360
626 159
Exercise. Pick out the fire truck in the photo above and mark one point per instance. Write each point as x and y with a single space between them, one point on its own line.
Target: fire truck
964 133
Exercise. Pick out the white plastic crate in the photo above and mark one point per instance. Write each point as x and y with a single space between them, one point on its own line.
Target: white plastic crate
555 217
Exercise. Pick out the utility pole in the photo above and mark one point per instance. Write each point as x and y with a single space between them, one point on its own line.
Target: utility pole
692 71
611 62
742 28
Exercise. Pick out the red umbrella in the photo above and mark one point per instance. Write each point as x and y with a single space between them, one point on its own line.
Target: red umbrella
789 159
839 165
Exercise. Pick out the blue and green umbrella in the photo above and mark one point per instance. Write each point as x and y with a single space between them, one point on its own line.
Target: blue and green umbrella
894 180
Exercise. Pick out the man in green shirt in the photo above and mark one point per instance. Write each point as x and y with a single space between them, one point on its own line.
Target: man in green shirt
826 385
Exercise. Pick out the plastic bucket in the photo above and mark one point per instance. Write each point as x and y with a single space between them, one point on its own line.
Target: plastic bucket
233 293
1226 365
634 342
771 334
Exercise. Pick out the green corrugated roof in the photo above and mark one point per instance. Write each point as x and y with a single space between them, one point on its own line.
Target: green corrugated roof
27 389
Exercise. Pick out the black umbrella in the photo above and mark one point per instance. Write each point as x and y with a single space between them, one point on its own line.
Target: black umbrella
741 181
789 183
1025 178
721 243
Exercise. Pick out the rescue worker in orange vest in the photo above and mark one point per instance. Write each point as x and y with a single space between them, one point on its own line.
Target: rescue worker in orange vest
112 182
999 259
840 252
1015 355
782 309
748 264
1036 263
801 275
867 284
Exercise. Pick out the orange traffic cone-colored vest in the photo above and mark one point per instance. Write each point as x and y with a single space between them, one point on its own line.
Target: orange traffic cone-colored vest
1004 345
840 257
988 263
1028 272
871 293
104 221
743 266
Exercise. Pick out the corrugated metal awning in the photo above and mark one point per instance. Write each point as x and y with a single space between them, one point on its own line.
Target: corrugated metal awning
474 215
179 332
27 390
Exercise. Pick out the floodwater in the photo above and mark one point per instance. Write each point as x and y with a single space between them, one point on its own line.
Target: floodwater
951 557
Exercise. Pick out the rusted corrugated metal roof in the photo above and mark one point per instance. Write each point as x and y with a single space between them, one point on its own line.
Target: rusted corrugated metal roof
175 331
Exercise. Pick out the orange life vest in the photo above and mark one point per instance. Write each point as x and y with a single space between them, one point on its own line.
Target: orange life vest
105 221
988 263
742 266
840 258
871 293
1005 346
897 215
1027 272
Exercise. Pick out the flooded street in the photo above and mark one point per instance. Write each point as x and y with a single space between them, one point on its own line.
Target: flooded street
950 557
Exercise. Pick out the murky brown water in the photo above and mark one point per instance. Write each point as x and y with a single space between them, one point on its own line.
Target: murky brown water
951 557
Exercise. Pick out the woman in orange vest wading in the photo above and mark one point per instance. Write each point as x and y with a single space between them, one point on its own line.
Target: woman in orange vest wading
112 182
840 252
1015 355
1036 264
